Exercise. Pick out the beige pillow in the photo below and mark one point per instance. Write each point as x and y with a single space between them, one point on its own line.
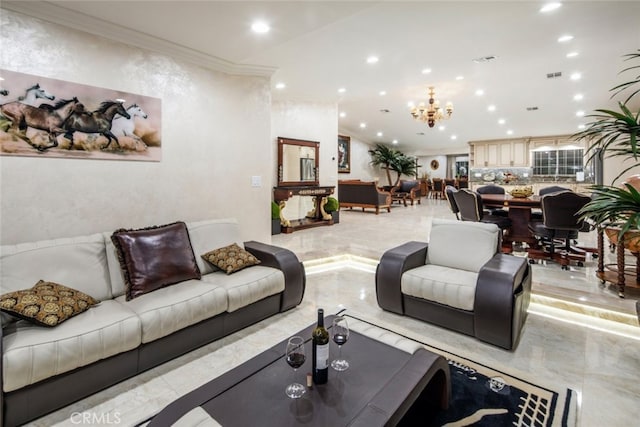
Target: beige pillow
46 304
230 258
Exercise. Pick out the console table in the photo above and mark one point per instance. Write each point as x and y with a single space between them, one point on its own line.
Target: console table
315 217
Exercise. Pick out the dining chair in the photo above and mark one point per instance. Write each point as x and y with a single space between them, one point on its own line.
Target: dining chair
471 208
449 194
463 183
493 189
560 224
437 188
536 215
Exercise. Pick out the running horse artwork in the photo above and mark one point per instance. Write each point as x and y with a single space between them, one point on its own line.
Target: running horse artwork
98 121
49 120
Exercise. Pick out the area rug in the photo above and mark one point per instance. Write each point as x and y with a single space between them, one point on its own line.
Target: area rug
487 396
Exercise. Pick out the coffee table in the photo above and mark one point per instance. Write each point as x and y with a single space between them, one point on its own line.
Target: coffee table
382 386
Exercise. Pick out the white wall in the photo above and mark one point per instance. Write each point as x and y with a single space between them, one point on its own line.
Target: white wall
215 136
312 122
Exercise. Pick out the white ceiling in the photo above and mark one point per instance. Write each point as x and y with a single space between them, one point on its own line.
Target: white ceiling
317 47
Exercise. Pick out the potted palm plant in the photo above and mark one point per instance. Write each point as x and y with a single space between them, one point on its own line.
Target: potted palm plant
390 160
611 134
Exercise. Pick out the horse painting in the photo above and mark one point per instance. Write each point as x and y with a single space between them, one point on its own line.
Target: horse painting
46 119
98 121
34 93
122 126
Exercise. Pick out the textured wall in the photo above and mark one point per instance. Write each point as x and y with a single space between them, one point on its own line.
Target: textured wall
215 136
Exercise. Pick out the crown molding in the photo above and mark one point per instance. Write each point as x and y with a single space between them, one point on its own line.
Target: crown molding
59 15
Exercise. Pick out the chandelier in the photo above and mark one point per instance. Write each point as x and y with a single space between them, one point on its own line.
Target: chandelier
432 112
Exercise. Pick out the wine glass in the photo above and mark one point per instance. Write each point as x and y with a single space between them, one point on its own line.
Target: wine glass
340 333
295 359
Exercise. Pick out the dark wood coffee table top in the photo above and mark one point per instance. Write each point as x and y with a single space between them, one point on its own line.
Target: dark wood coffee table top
254 392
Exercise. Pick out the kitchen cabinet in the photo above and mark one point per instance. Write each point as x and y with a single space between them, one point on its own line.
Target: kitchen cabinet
507 153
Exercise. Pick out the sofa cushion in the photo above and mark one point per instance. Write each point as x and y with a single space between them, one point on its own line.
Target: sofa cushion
462 245
248 286
155 257
23 264
46 304
32 353
448 286
230 258
210 234
172 308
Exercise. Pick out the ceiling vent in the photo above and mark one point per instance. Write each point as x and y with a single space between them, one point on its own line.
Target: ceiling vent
384 110
484 59
532 108
554 75
420 133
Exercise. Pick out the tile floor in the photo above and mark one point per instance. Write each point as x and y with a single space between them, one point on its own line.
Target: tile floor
600 359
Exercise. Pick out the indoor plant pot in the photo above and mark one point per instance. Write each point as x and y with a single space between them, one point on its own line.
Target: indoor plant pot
276 228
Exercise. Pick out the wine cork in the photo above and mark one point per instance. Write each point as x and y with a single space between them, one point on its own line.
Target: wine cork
309 380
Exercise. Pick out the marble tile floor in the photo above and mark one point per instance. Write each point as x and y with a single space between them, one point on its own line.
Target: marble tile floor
600 359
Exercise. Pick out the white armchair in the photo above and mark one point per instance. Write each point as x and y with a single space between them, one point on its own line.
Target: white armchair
459 280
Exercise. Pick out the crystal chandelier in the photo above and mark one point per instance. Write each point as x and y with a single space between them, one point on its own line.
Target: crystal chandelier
432 112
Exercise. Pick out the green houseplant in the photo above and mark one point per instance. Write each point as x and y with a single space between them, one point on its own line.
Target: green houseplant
275 219
615 133
333 207
390 159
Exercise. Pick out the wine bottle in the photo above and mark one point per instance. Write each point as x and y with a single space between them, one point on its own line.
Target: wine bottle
320 339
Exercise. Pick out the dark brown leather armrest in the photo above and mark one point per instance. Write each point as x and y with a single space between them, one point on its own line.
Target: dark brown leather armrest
286 261
393 264
499 280
425 373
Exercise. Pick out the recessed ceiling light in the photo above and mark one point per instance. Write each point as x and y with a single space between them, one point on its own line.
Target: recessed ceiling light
565 38
572 54
395 141
342 90
363 125
454 136
382 92
479 92
121 100
441 128
501 121
460 78
260 27
548 7
509 132
576 76
426 70
581 126
343 114
379 134
372 59
580 113
280 85
411 104
1 78
491 108
578 97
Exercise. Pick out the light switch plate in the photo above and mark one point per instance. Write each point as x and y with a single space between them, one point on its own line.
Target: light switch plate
256 181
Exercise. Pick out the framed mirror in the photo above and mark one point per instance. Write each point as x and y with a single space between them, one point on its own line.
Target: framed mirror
298 162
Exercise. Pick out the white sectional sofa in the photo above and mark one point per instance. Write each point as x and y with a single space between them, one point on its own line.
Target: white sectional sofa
46 368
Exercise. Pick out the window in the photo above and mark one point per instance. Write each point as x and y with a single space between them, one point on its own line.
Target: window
558 162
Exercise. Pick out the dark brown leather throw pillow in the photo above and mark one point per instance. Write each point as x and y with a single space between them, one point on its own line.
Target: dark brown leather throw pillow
155 257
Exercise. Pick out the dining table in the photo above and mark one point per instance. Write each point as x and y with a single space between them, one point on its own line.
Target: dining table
519 209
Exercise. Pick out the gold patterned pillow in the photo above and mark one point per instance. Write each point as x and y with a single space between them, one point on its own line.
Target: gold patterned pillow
46 304
230 258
